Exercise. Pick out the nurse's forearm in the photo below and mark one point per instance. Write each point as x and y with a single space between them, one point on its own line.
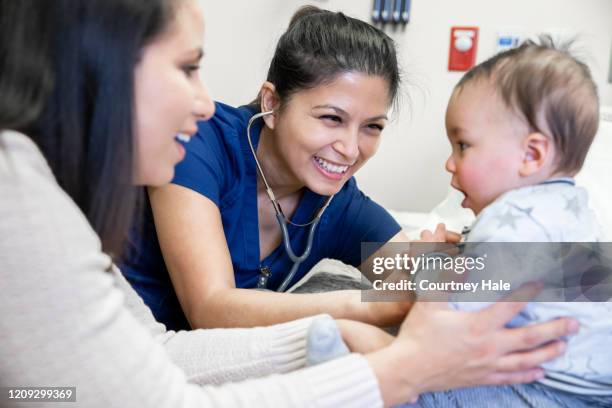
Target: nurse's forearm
250 308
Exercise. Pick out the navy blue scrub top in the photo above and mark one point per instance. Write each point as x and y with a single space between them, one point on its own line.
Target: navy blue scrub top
219 165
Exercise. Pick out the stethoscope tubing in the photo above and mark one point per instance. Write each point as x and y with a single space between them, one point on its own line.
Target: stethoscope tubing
281 218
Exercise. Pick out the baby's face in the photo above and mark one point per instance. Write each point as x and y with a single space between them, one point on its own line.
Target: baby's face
486 145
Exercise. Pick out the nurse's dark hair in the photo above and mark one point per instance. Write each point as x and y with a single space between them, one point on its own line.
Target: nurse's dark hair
319 45
86 128
26 77
551 90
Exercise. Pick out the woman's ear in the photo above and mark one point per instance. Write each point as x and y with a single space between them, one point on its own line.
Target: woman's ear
538 152
269 102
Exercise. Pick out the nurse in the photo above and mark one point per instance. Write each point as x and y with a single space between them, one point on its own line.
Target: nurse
212 235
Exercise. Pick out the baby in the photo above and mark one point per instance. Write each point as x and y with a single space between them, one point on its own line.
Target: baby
520 125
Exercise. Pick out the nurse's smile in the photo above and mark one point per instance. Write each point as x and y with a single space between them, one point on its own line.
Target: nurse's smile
329 169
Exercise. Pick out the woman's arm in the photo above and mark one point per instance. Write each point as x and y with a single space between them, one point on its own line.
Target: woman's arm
214 356
193 243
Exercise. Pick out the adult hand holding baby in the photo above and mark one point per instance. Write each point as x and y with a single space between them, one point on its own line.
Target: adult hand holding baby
466 348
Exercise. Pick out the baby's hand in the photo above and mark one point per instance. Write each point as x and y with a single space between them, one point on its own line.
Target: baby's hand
440 235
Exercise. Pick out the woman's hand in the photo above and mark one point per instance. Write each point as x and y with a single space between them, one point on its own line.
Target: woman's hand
362 337
439 348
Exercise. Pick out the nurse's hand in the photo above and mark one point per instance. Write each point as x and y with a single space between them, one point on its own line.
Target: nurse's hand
385 314
441 234
439 348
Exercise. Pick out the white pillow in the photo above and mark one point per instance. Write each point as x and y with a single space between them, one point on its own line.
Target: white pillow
596 170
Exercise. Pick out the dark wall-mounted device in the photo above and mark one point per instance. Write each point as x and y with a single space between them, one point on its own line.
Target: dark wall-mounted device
395 12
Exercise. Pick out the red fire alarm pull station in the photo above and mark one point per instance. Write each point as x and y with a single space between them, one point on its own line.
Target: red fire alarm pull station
463 45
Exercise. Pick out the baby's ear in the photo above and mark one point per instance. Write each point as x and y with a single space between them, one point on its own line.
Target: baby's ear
269 102
538 153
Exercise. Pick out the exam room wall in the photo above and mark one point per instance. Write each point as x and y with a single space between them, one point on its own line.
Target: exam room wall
408 172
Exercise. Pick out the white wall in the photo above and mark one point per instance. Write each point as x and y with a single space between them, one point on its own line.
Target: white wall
408 171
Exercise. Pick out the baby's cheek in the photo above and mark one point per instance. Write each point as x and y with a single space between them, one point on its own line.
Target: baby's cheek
481 185
472 177
499 179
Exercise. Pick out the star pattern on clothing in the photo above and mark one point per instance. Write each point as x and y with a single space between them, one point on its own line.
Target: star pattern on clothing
572 205
554 213
508 219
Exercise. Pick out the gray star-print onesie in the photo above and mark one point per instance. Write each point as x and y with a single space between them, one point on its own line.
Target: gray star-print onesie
554 211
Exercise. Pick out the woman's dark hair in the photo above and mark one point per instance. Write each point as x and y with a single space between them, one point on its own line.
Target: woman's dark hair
320 44
85 130
25 61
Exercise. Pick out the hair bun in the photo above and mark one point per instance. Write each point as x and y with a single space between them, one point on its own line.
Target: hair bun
305 11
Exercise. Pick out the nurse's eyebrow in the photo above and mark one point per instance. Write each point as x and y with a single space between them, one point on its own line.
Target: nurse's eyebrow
341 111
375 118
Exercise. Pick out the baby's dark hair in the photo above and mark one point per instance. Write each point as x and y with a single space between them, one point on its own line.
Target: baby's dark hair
319 45
551 90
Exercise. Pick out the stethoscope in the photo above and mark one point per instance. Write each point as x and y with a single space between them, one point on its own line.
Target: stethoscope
283 221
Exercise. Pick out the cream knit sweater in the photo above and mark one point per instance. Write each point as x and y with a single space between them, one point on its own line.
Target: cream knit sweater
66 321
